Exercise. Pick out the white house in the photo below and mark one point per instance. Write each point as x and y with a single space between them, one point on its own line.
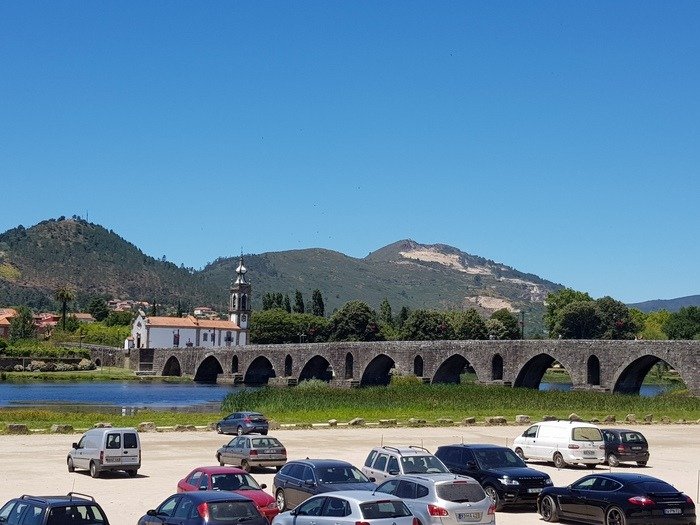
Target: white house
184 332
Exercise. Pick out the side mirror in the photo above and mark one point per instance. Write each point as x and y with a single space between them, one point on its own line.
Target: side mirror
309 482
151 512
74 445
372 479
263 486
471 465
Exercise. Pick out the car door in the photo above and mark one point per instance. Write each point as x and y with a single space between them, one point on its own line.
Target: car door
131 454
307 487
378 468
290 483
335 511
165 511
406 490
79 456
529 443
113 448
309 512
471 466
234 451
574 502
599 497
229 424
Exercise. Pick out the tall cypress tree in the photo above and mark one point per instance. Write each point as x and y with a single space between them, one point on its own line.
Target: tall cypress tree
298 302
317 307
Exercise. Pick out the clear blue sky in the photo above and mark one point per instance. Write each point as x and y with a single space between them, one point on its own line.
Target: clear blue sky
560 138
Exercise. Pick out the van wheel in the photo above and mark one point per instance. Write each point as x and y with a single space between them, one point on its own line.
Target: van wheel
519 453
281 500
94 470
245 465
132 473
493 494
548 509
613 460
71 467
559 460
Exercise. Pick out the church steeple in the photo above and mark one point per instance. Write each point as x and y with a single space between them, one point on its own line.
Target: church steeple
239 302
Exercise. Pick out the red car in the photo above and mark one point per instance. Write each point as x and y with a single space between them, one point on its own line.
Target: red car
231 479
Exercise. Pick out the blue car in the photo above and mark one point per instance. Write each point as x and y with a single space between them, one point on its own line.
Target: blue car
243 423
300 479
53 510
203 507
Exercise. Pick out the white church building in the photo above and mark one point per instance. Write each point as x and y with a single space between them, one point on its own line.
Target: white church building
186 332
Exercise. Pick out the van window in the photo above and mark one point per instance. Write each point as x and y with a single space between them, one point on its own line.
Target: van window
370 458
130 440
531 432
586 434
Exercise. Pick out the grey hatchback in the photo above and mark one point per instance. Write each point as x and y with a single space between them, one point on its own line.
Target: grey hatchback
243 423
249 451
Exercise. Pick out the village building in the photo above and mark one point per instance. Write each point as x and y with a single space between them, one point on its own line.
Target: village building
191 331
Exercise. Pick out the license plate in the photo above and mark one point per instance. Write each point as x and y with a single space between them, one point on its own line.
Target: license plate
534 491
113 459
468 516
270 451
673 511
589 452
129 460
636 448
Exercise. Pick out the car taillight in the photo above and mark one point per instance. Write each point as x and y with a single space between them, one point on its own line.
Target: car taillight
434 510
689 500
283 451
253 452
642 501
246 420
416 521
571 445
492 510
361 523
203 510
621 448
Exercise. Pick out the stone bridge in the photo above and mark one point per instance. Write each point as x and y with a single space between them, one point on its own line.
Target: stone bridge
612 366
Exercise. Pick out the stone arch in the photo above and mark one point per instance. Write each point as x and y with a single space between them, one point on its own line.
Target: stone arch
497 368
593 370
288 362
234 364
418 366
98 362
172 367
530 375
208 370
317 367
378 371
259 372
630 380
451 369
349 366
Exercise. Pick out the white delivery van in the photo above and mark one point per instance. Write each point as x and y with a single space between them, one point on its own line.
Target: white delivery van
562 442
103 449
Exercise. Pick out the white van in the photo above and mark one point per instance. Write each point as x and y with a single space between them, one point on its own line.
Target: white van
107 449
562 442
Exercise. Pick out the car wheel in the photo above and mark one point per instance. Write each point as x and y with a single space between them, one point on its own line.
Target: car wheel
281 501
239 430
559 460
519 453
548 509
245 465
492 493
615 516
132 473
71 467
218 458
218 429
94 470
641 463
613 460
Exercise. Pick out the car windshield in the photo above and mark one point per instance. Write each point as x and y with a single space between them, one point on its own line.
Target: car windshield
233 482
497 458
375 510
422 465
333 475
75 514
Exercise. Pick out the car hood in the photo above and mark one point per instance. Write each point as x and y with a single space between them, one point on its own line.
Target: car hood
260 497
331 487
516 472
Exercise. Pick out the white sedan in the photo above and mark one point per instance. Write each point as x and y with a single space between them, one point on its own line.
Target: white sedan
348 507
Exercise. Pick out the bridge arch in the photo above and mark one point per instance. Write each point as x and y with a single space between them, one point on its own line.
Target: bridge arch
349 366
208 370
593 370
451 369
378 371
497 367
234 364
418 366
317 367
259 371
288 363
530 375
172 367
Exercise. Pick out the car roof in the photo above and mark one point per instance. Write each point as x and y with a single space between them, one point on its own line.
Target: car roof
316 463
213 495
360 496
404 450
433 478
475 446
65 499
619 430
564 423
214 469
628 477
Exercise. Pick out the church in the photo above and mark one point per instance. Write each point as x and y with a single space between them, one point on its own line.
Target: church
190 331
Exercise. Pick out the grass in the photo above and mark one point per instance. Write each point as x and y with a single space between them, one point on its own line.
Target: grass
100 374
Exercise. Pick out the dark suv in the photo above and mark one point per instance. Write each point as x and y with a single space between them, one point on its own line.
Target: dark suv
502 474
623 445
301 479
53 510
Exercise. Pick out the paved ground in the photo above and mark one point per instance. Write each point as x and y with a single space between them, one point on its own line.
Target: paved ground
36 464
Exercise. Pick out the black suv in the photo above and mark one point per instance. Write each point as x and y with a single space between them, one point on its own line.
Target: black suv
299 480
502 474
622 445
71 509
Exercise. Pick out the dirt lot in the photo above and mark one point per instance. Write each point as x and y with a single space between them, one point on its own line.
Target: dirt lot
36 464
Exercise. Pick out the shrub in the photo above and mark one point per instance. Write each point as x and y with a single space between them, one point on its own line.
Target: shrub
313 384
407 380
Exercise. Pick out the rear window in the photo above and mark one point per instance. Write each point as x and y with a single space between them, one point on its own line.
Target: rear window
586 434
460 492
75 514
657 487
266 443
231 510
130 440
375 510
632 437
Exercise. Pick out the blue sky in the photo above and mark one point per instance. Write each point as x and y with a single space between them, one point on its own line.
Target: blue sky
560 138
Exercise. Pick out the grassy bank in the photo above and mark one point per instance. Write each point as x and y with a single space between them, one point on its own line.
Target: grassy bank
100 374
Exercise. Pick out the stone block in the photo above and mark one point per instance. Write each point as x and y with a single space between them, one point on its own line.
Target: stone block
61 429
496 420
471 420
575 417
549 418
630 418
416 422
444 422
666 420
356 422
17 428
523 419
273 425
387 422
609 419
333 422
648 418
148 426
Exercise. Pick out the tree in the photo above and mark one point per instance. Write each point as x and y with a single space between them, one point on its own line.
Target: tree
64 295
22 325
124 318
98 309
557 301
154 308
468 324
653 325
496 329
355 321
317 306
273 326
427 325
298 302
578 320
684 324
287 304
510 323
179 308
403 315
615 319
385 312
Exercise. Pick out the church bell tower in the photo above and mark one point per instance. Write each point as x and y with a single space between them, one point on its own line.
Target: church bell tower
239 302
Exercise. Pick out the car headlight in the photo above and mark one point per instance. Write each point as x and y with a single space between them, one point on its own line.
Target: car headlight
548 481
505 480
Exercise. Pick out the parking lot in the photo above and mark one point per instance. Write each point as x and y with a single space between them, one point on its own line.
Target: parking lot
36 464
